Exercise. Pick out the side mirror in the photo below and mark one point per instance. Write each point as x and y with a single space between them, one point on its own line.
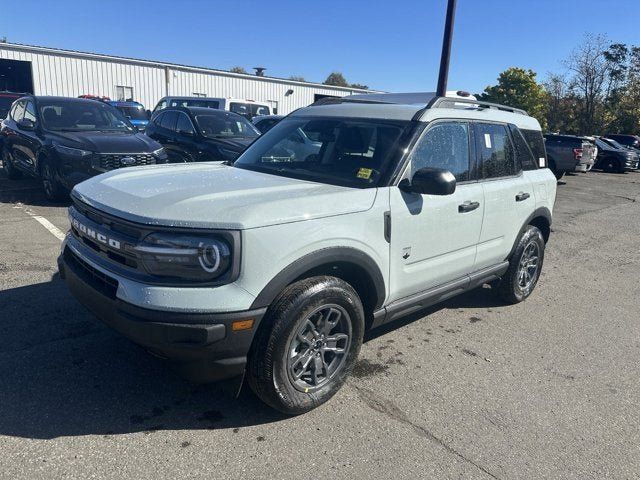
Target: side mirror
430 181
26 124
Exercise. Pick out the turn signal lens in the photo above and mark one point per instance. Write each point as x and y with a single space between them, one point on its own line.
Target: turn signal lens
242 325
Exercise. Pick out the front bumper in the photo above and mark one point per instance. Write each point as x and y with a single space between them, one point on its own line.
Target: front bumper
203 347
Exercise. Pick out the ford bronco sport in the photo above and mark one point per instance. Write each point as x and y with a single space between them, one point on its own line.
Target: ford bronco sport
278 264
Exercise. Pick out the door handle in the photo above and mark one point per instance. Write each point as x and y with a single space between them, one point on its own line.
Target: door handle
522 196
468 207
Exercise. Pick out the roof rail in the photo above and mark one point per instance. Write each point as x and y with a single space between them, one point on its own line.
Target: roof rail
339 100
450 102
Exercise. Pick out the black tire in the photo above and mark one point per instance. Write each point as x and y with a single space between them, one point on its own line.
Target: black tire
52 187
514 287
271 369
10 171
612 165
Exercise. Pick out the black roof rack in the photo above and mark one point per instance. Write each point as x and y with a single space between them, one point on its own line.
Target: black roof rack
435 102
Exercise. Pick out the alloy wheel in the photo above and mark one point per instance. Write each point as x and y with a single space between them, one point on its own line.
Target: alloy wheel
528 266
319 348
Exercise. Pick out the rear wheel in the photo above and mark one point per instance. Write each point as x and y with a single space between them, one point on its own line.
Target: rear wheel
307 344
525 266
7 165
53 189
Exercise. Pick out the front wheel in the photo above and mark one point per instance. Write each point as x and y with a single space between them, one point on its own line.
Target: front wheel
53 189
7 165
525 266
613 166
307 344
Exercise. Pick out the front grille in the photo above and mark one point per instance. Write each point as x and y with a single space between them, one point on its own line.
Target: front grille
111 161
111 227
92 276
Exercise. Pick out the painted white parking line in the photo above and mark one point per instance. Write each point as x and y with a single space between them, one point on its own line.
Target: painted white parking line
53 230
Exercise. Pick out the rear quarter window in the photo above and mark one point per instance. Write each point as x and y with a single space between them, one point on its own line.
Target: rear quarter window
536 144
525 158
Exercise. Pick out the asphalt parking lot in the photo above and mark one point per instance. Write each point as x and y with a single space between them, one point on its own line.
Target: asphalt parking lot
469 389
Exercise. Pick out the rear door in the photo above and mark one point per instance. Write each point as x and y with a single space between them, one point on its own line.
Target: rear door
434 238
508 193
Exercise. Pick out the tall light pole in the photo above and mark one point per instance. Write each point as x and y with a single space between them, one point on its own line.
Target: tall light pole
446 49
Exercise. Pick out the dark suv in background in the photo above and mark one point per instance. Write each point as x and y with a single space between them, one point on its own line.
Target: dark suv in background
198 134
64 141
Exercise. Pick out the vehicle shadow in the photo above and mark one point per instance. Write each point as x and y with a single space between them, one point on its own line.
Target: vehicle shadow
481 297
26 190
63 373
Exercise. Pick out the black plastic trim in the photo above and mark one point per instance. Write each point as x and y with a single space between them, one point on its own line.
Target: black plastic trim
319 258
538 212
426 298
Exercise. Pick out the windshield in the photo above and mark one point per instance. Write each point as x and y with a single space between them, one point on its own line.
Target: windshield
5 105
224 124
605 145
134 112
81 116
340 151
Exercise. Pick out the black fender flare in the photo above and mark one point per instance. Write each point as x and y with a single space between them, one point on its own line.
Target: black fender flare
538 212
319 258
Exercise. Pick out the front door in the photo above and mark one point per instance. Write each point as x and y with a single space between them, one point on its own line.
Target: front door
434 238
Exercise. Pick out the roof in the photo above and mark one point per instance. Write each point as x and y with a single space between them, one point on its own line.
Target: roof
155 63
425 106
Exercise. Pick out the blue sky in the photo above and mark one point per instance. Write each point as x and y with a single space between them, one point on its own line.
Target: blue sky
389 45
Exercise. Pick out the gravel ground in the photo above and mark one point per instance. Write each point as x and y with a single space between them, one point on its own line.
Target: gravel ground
468 389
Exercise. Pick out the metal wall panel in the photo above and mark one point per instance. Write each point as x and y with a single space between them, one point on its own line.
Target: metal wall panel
68 73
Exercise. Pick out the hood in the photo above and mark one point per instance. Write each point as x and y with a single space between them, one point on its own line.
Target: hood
237 144
109 142
213 195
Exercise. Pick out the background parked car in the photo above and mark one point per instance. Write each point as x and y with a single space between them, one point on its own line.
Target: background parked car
246 108
67 140
264 123
565 152
631 141
135 113
589 154
613 157
201 134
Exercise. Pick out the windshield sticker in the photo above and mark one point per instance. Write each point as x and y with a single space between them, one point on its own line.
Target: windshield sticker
541 162
487 140
364 173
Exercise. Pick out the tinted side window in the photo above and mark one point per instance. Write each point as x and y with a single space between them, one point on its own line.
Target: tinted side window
446 146
30 112
524 157
18 111
184 124
168 120
495 152
536 144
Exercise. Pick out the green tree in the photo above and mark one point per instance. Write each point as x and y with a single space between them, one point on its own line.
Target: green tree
297 78
360 86
336 79
518 88
238 70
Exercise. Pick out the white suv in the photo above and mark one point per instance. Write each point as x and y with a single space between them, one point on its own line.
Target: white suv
278 264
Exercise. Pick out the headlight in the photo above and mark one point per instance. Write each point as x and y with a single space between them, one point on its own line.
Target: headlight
74 152
184 256
159 152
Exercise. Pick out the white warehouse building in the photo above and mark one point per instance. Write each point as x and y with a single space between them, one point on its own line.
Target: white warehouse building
51 71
